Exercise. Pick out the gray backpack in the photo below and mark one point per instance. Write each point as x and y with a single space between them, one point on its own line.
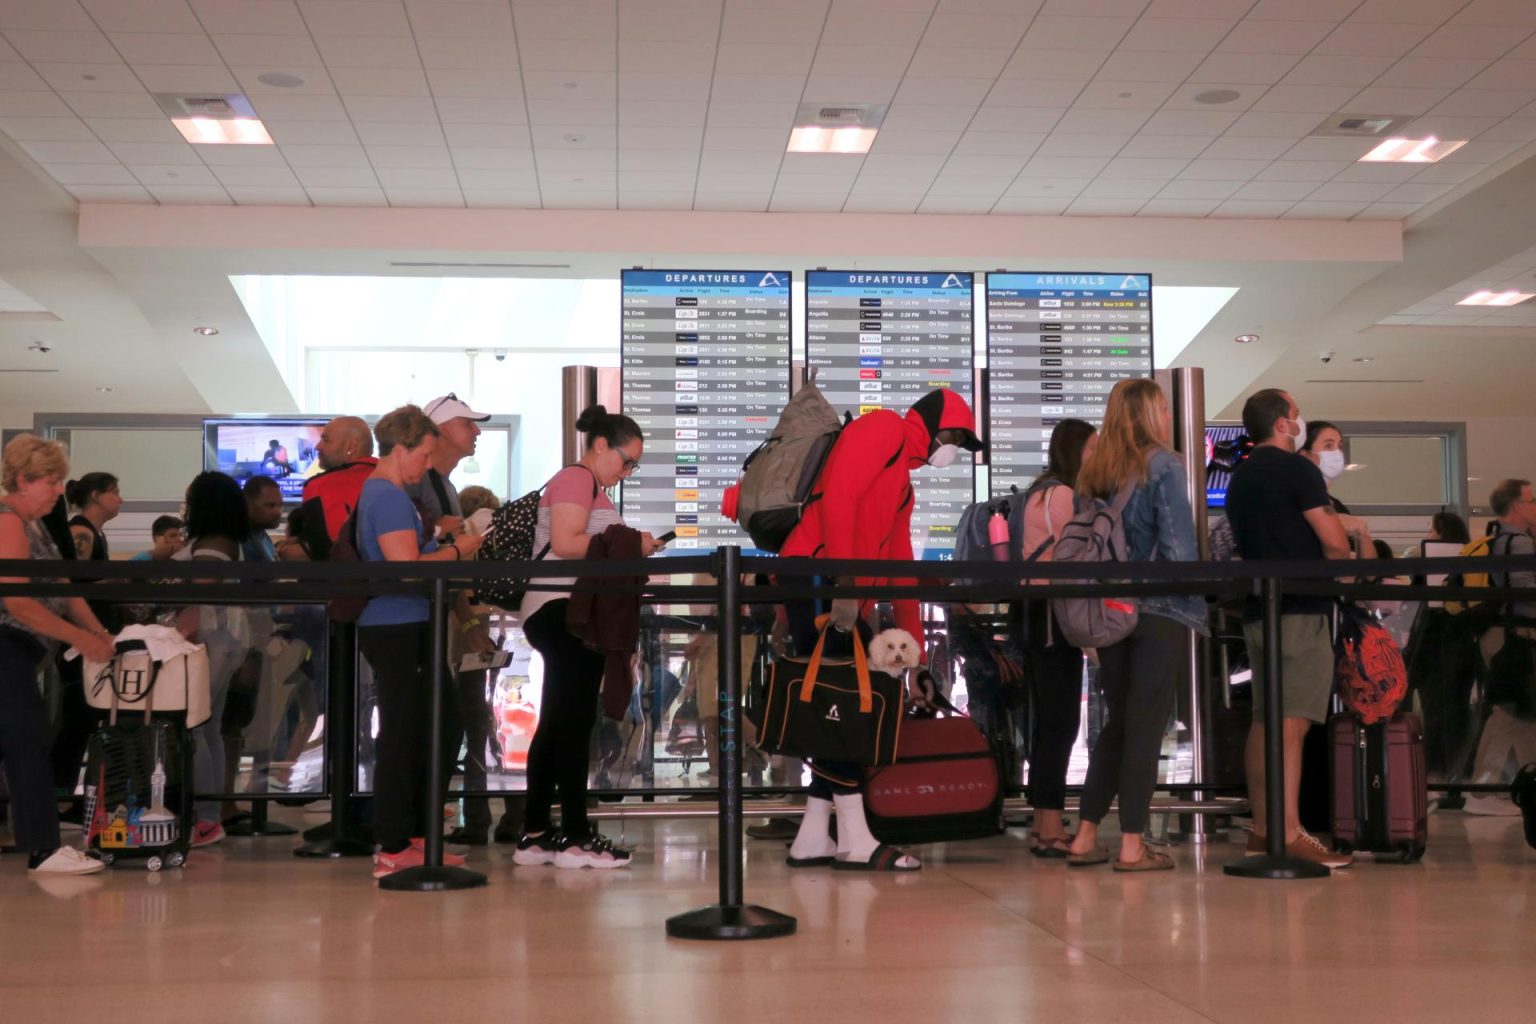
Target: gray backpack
777 478
1096 537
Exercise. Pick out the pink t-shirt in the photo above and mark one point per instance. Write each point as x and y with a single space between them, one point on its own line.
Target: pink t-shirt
573 485
1046 515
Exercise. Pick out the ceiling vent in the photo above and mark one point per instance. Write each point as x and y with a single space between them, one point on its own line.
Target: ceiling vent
1360 126
216 106
847 115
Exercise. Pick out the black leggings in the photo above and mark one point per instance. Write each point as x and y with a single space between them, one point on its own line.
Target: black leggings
1137 677
400 658
560 753
24 744
1056 690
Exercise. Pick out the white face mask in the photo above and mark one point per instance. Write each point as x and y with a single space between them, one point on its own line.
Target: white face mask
1301 434
945 456
1331 463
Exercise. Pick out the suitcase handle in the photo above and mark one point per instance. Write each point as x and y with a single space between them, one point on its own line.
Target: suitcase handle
860 664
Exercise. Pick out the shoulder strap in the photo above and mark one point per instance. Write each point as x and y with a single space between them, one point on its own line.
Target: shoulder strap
440 490
1124 497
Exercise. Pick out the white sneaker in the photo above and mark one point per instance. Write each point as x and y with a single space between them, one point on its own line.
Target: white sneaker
596 851
67 860
1493 805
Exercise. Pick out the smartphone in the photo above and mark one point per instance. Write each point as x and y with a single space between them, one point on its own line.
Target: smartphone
667 538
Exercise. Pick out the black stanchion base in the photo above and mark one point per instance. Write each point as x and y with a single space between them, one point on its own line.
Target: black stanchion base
1266 866
716 922
265 828
335 848
430 879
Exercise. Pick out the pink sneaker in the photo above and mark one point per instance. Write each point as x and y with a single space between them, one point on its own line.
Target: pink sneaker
413 856
207 833
450 860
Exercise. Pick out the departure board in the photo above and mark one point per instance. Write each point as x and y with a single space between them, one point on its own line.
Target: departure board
1056 346
705 374
884 340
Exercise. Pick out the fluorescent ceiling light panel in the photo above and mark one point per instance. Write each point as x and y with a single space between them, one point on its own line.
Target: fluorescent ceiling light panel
817 139
1412 151
210 131
1492 298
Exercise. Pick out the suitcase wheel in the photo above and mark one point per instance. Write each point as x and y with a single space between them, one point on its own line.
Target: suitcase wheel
1344 845
154 864
108 858
176 859
1408 853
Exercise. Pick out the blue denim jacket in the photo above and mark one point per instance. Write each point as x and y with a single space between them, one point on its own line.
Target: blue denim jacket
1160 526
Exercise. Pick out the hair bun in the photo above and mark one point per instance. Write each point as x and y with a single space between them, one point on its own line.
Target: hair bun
72 492
592 418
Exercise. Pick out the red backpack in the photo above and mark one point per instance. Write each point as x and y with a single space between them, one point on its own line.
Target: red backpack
1369 671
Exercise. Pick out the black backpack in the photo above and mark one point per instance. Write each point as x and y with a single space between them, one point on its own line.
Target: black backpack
509 538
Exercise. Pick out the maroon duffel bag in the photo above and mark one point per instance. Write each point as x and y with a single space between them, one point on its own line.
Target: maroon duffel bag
946 785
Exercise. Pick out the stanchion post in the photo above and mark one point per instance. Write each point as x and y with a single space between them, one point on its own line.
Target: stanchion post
340 747
433 876
730 918
1274 863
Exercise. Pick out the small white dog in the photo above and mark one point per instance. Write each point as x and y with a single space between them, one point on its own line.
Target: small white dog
894 651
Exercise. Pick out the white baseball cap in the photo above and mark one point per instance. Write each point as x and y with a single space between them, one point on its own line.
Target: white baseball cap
441 410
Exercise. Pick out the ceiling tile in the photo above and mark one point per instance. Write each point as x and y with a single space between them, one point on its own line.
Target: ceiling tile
1165 146
63 15
410 158
200 195
984 166
1389 211
286 133
657 57
576 161
1240 148
176 175
1436 73
1101 122
869 185
1357 191
1274 191
1143 167
46 129
505 179
416 177
1394 173
504 199
353 18
495 55
779 114
1302 170
468 21
1273 125
653 160
80 47
630 199
261 195
267 177
69 152
1489 41
490 158
592 140
563 199
457 110
1484 102
380 81
88 77
922 117
326 156
1032 207
1150 67
717 181
1308 99
969 91
1016 119
20 77
747 22
794 203
166 48
90 174
1496 12
924 165
1396 100
1087 207
262 50
300 108
653 86
1252 36
956 62
314 81
1001 29
400 108
1082 145
400 133
1189 96
657 181
1419 12
1174 35
364 51
980 143
111 193
16 103
831 87
253 16
1178 207
1205 169
1251 208
1185 189
1354 39
1507 74
1125 188
764 58
565 21
586 112
1053 32
1058 188
728 163
1063 167
467 83
938 203
336 177
1449 174
1244 68
156 153
1303 10
179 79
1190 122
730 86
1307 210
242 156
1338 70
1058 65
1511 129
860 203
347 196
1109 95
1331 149
1029 92
1416 193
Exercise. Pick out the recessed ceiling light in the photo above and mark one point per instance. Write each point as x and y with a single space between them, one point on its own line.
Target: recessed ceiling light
1218 96
1487 297
206 332
1412 151
280 80
1363 359
1246 339
210 131
105 390
816 139
1355 466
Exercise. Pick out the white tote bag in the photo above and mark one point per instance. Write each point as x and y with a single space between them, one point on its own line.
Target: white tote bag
135 681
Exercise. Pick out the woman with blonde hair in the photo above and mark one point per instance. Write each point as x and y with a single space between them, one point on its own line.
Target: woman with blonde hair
1137 674
31 630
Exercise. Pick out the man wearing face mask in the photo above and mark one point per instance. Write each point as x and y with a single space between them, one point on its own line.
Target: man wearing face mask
1279 508
861 507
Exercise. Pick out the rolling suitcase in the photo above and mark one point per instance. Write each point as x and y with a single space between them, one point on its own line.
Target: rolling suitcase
1380 799
945 786
138 792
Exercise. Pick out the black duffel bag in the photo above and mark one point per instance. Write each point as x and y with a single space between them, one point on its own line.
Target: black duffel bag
831 709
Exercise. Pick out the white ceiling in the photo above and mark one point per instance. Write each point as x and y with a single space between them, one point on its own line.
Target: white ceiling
1078 107
1517 273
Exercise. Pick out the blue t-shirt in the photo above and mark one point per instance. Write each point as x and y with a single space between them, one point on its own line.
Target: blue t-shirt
384 508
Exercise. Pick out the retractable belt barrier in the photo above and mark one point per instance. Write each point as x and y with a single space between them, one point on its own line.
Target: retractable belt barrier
732 918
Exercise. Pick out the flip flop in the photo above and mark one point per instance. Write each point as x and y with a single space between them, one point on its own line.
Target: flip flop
808 862
1097 855
885 858
1057 848
1150 860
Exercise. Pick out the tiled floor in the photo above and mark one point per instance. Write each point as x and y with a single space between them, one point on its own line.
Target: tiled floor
984 933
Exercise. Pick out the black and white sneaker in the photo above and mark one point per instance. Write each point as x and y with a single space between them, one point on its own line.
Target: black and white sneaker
595 851
540 849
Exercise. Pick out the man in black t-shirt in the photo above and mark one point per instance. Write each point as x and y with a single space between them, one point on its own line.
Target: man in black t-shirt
1279 509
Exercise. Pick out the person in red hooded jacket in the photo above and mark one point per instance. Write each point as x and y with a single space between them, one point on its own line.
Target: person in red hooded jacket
861 507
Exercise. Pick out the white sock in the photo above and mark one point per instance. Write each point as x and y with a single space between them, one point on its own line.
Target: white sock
815 836
854 841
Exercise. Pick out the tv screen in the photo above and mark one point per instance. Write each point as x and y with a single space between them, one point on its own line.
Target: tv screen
282 449
1225 446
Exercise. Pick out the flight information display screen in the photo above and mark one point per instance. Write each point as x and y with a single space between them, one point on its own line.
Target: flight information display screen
705 373
884 340
1057 343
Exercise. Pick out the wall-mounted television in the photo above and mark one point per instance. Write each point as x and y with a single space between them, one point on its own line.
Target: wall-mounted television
280 448
1225 446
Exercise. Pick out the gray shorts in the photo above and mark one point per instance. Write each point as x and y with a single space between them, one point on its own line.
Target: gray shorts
1306 666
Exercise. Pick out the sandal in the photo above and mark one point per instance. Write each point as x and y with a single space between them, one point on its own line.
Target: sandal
808 862
1150 860
885 858
1055 848
1097 855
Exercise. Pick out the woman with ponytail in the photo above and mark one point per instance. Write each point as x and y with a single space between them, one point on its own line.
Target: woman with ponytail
573 509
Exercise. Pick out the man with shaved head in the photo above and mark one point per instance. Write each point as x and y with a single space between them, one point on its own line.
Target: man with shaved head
345 451
343 440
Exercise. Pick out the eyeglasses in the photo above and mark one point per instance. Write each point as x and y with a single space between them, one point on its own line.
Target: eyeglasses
630 465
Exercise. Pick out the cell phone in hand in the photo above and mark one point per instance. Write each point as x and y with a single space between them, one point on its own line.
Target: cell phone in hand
667 538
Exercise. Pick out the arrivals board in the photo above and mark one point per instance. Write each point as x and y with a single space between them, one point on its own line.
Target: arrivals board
884 340
1057 343
705 374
